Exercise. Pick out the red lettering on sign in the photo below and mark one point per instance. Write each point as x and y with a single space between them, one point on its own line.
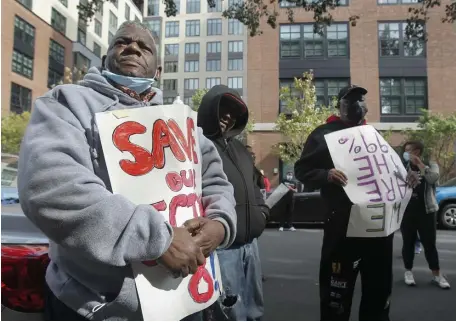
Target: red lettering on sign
190 181
201 274
121 138
174 181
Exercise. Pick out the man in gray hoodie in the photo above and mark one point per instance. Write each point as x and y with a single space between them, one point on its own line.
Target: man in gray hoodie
64 189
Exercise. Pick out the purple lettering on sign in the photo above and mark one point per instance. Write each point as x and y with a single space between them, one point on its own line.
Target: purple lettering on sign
376 191
368 167
383 147
401 186
381 217
390 189
371 147
379 165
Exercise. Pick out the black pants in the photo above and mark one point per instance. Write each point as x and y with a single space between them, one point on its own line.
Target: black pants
287 217
417 221
341 260
56 310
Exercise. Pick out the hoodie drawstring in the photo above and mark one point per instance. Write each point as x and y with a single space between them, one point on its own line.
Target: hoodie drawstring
94 145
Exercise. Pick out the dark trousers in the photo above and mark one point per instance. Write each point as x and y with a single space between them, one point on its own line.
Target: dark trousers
342 259
287 217
417 221
56 310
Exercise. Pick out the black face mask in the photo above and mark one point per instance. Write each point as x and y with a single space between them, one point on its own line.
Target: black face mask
353 110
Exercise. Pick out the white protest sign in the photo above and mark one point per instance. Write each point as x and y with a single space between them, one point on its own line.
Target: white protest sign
276 195
375 180
153 157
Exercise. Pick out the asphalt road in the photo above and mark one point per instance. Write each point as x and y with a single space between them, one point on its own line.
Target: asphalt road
290 263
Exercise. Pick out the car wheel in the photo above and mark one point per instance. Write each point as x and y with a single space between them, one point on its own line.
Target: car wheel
448 216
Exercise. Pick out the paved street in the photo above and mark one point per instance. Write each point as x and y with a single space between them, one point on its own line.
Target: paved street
291 260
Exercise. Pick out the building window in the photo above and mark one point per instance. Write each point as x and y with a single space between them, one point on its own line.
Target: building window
214 47
22 64
192 48
300 41
235 64
98 28
154 27
403 96
153 8
58 21
82 37
326 90
216 8
191 83
178 5
137 19
80 61
112 20
191 66
397 1
235 46
100 8
97 49
21 99
27 3
235 82
192 28
127 12
212 81
213 65
234 2
64 2
24 32
115 3
168 100
291 4
193 6
188 101
214 27
235 27
172 50
110 37
54 78
57 52
171 67
172 29
394 41
170 85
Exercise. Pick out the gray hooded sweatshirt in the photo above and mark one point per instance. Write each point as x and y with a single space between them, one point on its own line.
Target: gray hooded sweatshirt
94 234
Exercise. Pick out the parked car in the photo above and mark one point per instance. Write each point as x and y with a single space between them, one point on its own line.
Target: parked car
308 208
446 198
24 254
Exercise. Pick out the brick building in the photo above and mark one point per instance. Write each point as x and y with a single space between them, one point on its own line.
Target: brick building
33 54
401 76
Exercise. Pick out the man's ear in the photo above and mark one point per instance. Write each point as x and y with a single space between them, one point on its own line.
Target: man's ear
103 60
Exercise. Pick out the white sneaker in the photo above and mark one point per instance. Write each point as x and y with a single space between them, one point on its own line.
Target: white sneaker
281 229
292 228
409 279
441 281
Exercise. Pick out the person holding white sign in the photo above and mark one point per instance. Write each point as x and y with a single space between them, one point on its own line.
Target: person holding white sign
96 236
420 214
342 258
222 115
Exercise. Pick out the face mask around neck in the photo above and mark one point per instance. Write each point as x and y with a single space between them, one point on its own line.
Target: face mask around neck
137 84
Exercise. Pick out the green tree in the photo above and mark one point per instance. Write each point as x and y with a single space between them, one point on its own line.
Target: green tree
301 117
196 102
438 133
252 12
13 129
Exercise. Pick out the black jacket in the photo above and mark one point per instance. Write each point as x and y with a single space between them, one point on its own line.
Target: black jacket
315 162
251 209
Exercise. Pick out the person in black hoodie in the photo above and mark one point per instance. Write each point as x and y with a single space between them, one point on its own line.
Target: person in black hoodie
342 258
222 115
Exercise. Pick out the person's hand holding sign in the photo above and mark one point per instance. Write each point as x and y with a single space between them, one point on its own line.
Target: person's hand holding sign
337 177
183 255
208 234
